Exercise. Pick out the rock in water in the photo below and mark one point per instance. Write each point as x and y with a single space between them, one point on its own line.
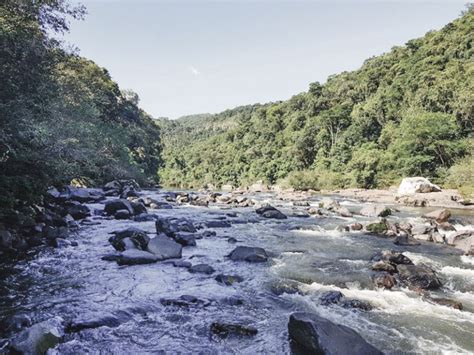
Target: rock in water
375 211
250 254
111 207
268 211
164 247
225 329
136 257
412 185
439 216
138 237
201 269
419 276
463 240
39 337
312 334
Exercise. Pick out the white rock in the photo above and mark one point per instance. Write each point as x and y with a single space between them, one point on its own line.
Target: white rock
414 185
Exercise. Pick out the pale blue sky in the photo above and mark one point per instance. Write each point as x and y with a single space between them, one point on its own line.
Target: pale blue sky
185 57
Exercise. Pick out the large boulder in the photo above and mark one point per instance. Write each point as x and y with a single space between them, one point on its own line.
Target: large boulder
375 211
85 195
38 338
312 334
268 211
440 216
249 254
329 204
419 276
463 240
412 185
111 207
164 247
171 226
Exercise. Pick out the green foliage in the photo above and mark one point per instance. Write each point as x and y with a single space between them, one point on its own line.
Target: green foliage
406 112
62 116
461 175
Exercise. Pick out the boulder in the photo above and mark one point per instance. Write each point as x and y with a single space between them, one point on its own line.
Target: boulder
375 211
419 277
136 257
171 226
228 280
164 248
224 330
328 204
412 185
343 211
392 257
85 195
440 216
40 337
138 237
275 214
201 269
111 207
138 208
463 240
185 239
249 254
312 334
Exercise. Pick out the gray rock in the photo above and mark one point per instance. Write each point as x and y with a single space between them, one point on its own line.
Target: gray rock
275 214
249 254
312 334
224 330
201 269
375 211
440 216
136 257
419 277
120 240
164 248
111 207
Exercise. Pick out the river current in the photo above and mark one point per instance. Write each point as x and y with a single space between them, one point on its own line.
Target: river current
308 256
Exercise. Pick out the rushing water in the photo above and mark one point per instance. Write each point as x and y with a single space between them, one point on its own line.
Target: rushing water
75 283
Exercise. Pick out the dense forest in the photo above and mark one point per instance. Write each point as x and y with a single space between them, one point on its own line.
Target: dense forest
404 113
62 117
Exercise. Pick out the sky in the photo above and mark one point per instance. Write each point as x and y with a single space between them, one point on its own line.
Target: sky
188 57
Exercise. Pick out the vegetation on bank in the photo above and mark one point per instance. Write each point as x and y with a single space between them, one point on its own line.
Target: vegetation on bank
405 113
62 116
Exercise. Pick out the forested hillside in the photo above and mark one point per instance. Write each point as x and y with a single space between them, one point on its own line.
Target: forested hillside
406 112
62 116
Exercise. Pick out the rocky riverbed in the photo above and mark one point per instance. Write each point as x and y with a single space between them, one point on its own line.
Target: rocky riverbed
156 271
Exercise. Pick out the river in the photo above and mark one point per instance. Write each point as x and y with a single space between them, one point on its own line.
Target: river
307 255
